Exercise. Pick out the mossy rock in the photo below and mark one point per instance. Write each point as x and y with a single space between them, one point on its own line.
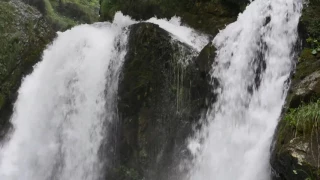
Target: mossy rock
64 14
24 34
161 98
203 15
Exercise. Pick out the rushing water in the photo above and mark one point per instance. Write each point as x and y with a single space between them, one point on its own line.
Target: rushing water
63 107
61 112
253 64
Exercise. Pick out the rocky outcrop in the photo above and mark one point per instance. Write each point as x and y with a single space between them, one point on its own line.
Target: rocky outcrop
297 141
24 33
162 92
64 14
203 15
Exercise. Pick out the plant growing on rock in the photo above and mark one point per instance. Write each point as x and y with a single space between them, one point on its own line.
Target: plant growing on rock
314 44
305 118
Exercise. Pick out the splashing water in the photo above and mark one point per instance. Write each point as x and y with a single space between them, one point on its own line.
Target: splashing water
62 107
253 64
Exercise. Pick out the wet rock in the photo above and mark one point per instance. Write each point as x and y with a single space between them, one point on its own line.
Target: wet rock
162 94
306 91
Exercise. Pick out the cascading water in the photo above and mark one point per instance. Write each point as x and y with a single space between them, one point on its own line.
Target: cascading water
60 110
63 107
253 64
61 113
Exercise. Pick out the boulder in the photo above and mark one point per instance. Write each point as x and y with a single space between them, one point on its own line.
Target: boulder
163 91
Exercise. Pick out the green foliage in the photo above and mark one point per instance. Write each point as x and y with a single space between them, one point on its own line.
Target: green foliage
60 22
64 14
314 44
305 118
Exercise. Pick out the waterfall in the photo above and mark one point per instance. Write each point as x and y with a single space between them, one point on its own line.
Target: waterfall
63 107
253 65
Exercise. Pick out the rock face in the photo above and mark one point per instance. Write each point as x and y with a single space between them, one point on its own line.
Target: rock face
203 15
24 33
64 14
162 92
297 146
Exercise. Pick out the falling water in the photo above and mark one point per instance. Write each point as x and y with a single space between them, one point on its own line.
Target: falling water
63 107
253 64
60 110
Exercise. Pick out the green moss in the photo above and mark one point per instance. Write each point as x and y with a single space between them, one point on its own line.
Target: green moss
61 22
64 14
307 64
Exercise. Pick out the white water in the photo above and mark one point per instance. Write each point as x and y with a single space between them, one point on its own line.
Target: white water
62 107
60 110
236 141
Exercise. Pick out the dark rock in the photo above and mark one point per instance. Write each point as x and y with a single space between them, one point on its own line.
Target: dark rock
203 15
161 98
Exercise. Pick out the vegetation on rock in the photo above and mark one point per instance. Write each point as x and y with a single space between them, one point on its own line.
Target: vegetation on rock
63 14
24 33
296 153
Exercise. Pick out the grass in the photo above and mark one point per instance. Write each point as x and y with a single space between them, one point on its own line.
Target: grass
305 119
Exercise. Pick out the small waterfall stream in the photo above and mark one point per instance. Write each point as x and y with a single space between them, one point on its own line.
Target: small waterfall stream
255 57
60 110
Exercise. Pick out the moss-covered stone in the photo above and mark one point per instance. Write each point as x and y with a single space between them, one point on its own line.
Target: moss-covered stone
24 33
205 15
63 14
162 93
